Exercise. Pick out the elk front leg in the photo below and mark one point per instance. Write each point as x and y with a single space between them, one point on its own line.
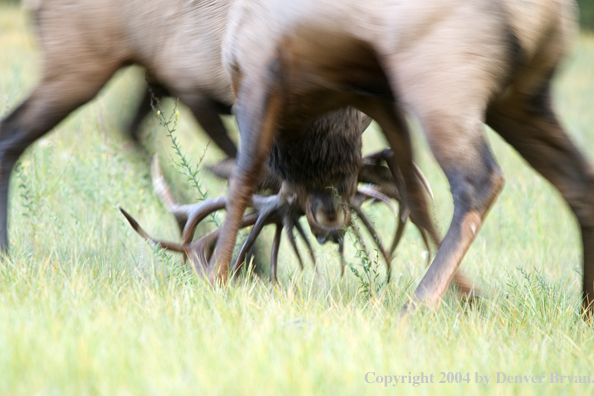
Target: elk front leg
475 181
395 129
258 109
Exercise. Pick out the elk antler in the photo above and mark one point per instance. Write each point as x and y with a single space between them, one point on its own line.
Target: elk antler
271 209
381 181
275 210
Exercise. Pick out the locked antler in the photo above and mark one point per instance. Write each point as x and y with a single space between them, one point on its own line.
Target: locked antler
278 209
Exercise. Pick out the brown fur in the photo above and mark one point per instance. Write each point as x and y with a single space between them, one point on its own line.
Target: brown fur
85 42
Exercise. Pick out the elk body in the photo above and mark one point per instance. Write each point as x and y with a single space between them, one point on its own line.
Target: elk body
85 42
454 64
179 43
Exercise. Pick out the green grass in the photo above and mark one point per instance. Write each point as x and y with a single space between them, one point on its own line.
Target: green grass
87 307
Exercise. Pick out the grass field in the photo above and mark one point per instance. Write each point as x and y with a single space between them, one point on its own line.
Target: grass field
87 307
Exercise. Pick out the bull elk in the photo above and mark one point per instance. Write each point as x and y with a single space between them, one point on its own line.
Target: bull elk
179 44
454 64
85 42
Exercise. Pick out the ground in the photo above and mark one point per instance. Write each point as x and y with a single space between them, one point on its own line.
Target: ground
88 307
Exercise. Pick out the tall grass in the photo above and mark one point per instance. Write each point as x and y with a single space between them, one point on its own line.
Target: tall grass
88 307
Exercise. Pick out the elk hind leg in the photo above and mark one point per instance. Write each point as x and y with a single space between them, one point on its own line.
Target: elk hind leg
206 111
155 91
529 124
56 96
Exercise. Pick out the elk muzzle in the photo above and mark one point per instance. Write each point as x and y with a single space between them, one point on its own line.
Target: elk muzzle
328 215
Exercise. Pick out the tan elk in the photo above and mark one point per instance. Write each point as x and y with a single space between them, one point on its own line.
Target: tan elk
179 43
85 42
454 64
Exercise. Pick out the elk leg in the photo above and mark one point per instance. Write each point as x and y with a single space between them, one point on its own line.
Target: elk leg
56 96
144 108
395 129
274 253
206 111
259 105
531 127
475 180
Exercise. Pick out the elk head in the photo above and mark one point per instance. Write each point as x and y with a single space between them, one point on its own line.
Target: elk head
318 164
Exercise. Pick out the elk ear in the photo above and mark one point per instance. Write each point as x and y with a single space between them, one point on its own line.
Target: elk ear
365 121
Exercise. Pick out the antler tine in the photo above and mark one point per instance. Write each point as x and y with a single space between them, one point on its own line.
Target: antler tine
423 179
180 212
342 259
202 248
373 192
309 247
375 237
397 235
374 160
204 208
163 244
376 192
278 232
267 207
187 216
263 220
380 176
288 224
198 213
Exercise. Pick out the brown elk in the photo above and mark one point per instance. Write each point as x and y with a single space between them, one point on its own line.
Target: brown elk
454 64
85 42
179 44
